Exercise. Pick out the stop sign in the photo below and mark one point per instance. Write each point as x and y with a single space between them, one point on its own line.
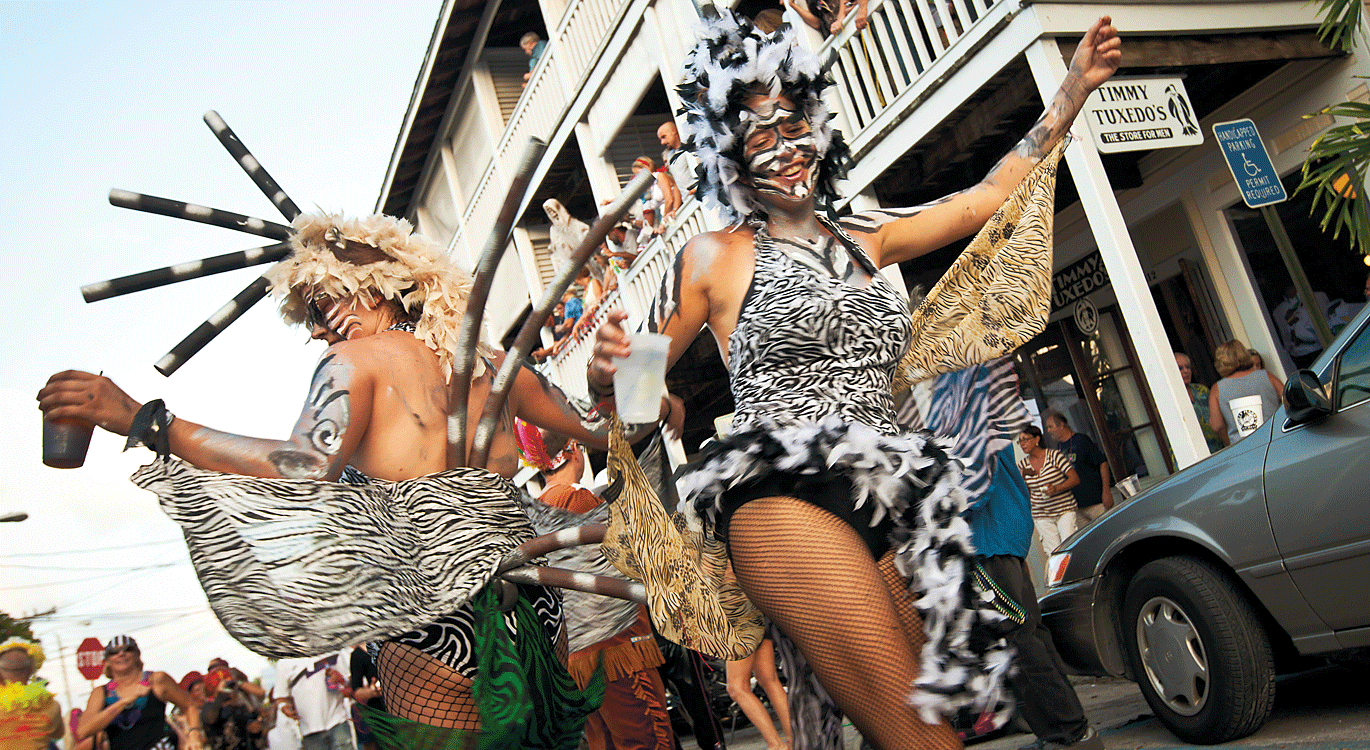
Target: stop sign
90 659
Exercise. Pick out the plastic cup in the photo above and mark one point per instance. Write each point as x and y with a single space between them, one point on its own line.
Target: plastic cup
640 378
65 442
1247 414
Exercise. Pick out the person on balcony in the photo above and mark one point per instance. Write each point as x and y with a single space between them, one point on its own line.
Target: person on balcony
659 204
829 16
828 509
533 46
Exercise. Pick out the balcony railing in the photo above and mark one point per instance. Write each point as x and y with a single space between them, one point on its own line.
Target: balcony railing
879 72
637 288
873 68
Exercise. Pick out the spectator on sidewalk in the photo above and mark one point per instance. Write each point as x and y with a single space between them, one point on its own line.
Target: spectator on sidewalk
1050 477
314 689
1198 398
229 715
1094 493
678 160
29 714
246 685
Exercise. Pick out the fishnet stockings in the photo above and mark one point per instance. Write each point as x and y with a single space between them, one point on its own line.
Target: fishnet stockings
420 688
814 578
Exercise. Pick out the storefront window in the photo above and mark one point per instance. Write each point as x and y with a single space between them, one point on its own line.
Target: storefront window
1091 379
1335 272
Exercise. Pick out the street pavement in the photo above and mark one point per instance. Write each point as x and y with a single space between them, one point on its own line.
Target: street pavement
1321 709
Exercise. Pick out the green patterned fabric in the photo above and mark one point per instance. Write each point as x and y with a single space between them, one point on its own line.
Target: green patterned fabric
525 696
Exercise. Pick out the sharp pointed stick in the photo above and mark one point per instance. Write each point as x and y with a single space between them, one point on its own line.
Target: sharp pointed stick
249 163
203 214
212 327
459 392
184 271
523 344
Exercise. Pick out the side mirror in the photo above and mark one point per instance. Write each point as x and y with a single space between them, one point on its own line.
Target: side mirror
1306 398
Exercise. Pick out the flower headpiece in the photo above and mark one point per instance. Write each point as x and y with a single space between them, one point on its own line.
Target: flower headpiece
533 448
732 61
341 257
34 650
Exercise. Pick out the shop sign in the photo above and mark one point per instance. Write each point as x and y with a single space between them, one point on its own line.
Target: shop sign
1086 316
1250 163
1134 114
1078 279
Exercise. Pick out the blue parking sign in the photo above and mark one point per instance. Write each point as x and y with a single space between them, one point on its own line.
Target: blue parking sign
1250 163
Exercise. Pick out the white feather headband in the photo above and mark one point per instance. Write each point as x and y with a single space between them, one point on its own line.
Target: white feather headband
341 257
732 61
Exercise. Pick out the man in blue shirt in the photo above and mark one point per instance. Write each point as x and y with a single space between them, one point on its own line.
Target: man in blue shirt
1094 493
1001 526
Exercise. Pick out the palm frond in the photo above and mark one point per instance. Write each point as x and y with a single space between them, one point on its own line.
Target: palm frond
1340 23
1341 152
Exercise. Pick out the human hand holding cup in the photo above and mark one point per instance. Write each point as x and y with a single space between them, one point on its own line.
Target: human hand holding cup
640 377
73 402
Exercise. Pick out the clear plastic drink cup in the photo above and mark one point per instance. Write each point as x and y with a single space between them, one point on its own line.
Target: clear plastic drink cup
640 378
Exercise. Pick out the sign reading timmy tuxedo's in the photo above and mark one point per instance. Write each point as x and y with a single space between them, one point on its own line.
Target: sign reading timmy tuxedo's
1132 114
1078 279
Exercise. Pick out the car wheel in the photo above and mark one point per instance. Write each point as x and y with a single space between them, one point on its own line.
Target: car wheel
1198 651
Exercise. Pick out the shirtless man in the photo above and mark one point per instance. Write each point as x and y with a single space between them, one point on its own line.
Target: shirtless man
389 304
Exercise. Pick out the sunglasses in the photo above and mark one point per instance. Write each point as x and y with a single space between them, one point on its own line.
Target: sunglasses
313 316
120 650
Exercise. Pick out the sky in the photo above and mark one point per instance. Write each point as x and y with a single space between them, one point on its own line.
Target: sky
104 95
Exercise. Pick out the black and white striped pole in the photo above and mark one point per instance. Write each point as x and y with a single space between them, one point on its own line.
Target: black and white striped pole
212 327
249 163
184 271
527 336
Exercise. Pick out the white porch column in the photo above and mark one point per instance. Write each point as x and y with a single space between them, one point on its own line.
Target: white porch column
1105 217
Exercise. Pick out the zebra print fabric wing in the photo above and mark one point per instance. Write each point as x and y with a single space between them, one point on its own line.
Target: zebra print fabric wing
299 567
689 599
979 407
996 295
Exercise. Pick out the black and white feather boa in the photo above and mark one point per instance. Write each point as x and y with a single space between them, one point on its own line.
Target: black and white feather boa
914 479
732 60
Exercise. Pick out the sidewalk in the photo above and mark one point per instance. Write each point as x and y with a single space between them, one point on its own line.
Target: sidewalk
1109 702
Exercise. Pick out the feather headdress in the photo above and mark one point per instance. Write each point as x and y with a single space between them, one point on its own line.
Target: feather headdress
342 257
732 61
34 650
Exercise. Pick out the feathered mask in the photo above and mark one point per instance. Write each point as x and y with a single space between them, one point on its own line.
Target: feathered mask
342 257
733 61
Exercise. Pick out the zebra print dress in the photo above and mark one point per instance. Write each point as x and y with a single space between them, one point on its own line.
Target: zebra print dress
811 364
295 567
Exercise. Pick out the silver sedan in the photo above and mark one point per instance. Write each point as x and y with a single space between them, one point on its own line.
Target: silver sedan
1247 564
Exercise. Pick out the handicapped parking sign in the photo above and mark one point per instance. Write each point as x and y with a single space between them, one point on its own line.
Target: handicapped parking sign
1250 163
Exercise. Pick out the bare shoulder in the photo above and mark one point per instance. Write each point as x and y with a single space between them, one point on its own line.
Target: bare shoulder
368 353
717 250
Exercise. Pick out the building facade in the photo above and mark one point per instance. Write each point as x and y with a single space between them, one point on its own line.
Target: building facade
1155 250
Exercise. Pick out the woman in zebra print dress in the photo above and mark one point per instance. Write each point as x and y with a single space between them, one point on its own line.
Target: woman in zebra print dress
295 563
828 509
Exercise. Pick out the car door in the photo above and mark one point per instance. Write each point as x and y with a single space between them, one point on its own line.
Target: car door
1318 492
